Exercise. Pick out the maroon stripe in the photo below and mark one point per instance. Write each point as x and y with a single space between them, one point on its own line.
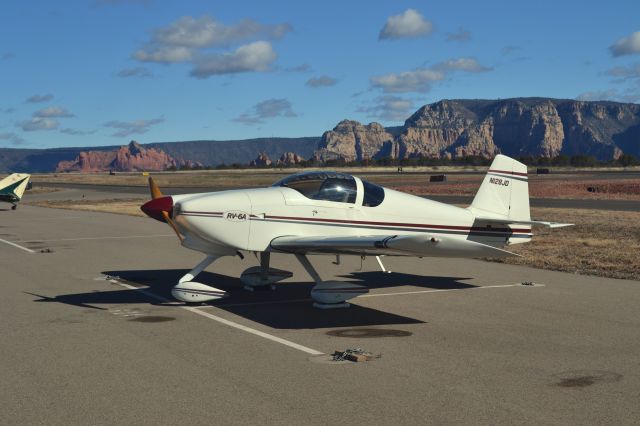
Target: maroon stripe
364 222
509 173
207 213
413 225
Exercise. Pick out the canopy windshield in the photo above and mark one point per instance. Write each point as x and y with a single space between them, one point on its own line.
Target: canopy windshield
326 186
332 186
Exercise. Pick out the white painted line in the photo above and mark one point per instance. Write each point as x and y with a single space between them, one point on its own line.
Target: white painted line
226 322
16 246
254 331
441 290
124 237
278 302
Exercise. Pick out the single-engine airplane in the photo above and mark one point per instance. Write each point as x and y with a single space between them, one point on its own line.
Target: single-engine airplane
323 212
12 187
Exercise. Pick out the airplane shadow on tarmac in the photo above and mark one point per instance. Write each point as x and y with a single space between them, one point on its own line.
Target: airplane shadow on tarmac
288 307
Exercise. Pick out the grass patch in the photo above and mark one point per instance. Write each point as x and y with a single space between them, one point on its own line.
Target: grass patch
602 243
128 206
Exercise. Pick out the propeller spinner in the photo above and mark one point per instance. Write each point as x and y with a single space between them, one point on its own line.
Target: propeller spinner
160 207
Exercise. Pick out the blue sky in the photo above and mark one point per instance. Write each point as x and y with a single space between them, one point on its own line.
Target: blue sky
103 72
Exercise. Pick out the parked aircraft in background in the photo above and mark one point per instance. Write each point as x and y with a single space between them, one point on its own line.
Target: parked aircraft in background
12 187
322 212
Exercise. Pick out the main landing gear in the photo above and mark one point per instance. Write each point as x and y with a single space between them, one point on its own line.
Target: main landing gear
254 278
330 294
263 277
325 294
14 206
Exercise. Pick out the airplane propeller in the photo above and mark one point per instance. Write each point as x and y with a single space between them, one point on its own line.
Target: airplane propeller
160 207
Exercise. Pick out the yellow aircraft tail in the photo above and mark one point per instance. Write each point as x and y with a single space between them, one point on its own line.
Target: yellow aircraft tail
13 186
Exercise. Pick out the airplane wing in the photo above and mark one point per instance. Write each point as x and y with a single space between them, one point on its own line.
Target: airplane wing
420 245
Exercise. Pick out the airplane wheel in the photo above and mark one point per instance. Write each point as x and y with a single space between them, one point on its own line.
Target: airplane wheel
14 207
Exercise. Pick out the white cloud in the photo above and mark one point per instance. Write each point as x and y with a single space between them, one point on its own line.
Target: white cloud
422 79
39 98
300 68
38 123
389 108
461 64
76 132
248 119
141 72
52 111
626 45
508 50
419 80
205 31
598 95
270 108
127 128
257 56
13 138
628 94
409 24
322 81
164 54
461 35
187 40
625 73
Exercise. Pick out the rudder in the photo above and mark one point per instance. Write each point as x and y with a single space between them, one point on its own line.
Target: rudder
14 184
504 192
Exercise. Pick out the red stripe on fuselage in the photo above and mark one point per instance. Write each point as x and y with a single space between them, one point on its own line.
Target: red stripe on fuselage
412 225
365 222
508 172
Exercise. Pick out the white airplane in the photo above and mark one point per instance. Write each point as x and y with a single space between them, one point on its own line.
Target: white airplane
322 212
12 187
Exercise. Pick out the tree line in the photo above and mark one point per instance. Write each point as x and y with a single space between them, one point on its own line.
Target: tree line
624 160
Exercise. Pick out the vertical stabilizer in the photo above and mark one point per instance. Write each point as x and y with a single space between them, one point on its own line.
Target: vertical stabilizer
504 192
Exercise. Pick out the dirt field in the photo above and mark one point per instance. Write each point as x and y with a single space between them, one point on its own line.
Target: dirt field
565 186
128 206
597 184
602 243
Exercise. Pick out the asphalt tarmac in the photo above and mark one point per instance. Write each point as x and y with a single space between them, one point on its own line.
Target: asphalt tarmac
89 336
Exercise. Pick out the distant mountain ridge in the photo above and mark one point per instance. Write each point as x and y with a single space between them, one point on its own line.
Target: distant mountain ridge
540 127
132 157
209 153
445 129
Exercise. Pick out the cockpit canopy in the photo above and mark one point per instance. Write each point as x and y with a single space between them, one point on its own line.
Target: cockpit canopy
332 186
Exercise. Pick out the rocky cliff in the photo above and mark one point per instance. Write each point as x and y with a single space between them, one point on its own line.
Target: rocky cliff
289 159
132 157
262 160
350 141
517 127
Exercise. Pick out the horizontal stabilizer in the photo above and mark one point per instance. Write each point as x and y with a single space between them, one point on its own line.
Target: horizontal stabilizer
507 221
